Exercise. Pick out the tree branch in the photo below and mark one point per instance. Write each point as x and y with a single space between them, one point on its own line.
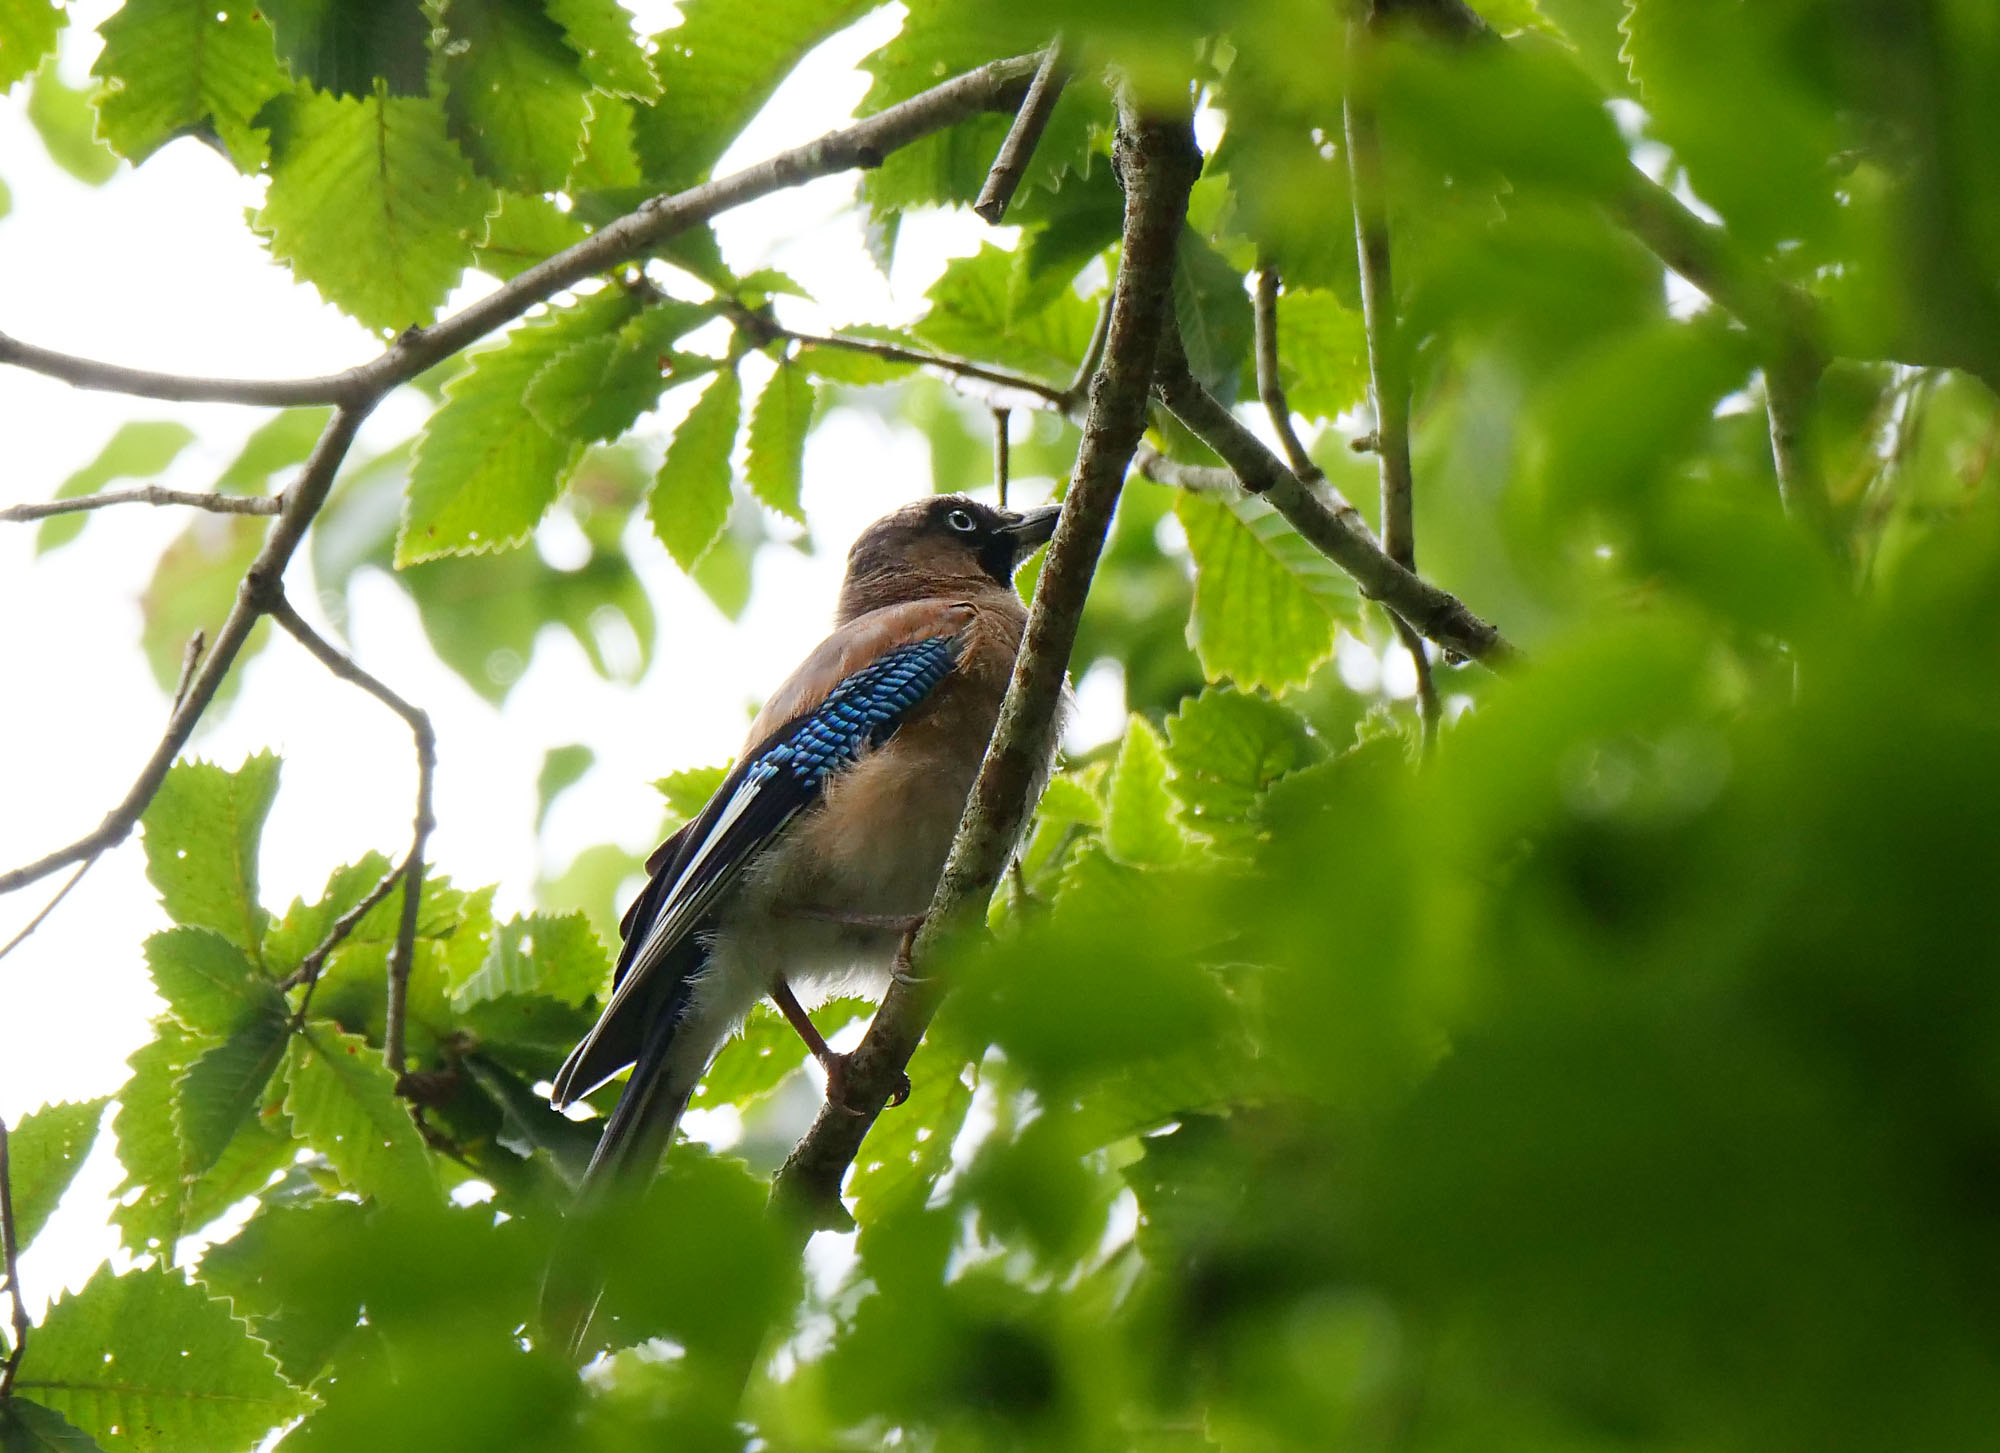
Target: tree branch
1337 533
358 390
1388 350
149 494
1011 163
1270 389
302 502
761 326
10 1257
89 373
411 873
1159 163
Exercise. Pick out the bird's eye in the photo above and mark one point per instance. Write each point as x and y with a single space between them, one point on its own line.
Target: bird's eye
961 521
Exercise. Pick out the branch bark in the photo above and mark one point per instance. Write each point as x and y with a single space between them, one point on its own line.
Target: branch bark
148 494
1159 163
411 873
1388 350
1011 164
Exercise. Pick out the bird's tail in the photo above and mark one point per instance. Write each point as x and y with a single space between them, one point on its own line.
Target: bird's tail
635 1138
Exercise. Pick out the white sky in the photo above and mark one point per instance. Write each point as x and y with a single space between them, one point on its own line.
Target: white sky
157 269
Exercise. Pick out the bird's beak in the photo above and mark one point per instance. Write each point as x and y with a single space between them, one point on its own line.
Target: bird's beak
1030 531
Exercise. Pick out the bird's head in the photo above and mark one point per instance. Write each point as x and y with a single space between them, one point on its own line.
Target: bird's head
938 546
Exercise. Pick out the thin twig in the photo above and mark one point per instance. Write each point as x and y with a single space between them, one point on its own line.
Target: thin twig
1270 388
1339 534
766 329
50 907
1001 462
190 662
149 494
1159 166
10 1268
1011 163
411 873
1073 397
311 966
1150 463
1388 350
145 383
357 391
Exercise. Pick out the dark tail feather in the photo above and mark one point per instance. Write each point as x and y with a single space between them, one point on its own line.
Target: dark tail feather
635 1138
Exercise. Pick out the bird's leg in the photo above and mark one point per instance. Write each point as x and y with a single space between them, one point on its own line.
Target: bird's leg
901 922
833 1063
899 966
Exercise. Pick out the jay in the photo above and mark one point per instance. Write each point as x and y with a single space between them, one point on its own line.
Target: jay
820 851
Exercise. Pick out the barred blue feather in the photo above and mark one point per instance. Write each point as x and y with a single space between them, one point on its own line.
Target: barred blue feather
860 712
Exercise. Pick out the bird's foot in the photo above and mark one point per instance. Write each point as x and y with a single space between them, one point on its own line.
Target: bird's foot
899 967
835 1066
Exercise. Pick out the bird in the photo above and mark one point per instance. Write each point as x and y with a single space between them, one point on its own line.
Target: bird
817 856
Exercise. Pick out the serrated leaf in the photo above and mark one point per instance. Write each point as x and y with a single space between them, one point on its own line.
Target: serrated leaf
372 204
147 1363
268 1271
777 449
557 956
904 1154
598 388
28 34
688 790
530 1125
28 1427
977 310
44 1152
222 1089
345 46
600 32
208 982
137 451
67 123
1322 353
514 92
201 835
690 500
717 68
1266 604
1139 827
174 66
763 1054
304 925
607 164
1226 748
342 1102
158 1203
524 231
486 468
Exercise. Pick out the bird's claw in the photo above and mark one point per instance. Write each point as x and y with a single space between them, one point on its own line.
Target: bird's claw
835 1066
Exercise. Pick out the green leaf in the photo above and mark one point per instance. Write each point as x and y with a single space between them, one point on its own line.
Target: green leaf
344 46
271 1271
304 925
148 1363
688 790
555 956
158 1202
1266 604
224 1087
372 204
174 66
201 835
526 230
28 33
65 120
1226 748
598 388
778 427
600 32
208 982
44 1152
690 499
1139 827
342 1102
716 71
978 310
1214 315
607 164
562 768
277 444
529 1124
137 451
27 1427
1322 353
514 92
487 468
904 1154
192 589
765 1052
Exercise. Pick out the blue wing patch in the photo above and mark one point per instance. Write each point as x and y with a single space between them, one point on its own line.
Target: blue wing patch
754 802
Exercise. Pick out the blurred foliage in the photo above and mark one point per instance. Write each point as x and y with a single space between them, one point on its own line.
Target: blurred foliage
1619 1076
